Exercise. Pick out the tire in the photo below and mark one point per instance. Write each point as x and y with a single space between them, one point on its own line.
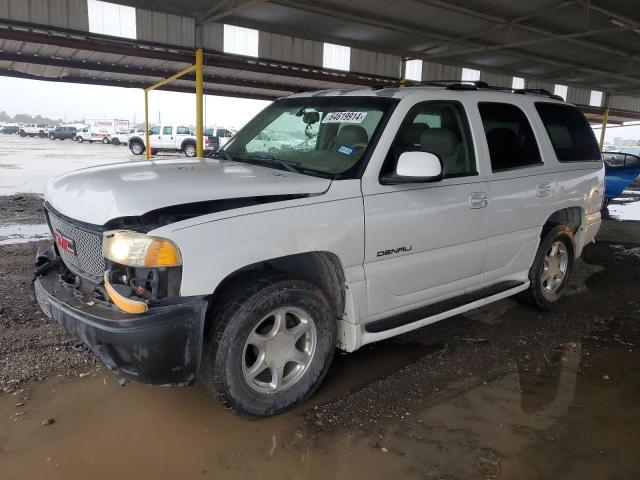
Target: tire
41 134
23 133
190 150
106 141
79 139
136 147
544 291
52 136
229 354
115 141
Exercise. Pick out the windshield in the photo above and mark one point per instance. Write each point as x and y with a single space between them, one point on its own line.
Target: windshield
315 135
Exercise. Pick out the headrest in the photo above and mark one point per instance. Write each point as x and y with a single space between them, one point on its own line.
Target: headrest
352 135
440 141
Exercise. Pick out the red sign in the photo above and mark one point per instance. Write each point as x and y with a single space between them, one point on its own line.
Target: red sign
65 243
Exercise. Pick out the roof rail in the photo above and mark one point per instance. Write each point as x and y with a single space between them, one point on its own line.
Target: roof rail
471 85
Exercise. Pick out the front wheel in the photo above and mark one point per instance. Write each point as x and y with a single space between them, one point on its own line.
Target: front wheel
552 266
270 345
106 141
79 139
115 141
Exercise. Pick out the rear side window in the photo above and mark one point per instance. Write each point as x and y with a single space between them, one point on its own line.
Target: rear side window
184 131
167 130
510 137
569 132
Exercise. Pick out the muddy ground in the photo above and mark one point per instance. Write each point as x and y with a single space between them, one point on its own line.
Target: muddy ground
504 391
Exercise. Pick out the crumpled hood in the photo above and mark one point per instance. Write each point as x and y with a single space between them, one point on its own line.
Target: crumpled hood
98 194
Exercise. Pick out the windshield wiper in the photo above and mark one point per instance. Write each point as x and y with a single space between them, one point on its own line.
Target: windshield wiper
271 159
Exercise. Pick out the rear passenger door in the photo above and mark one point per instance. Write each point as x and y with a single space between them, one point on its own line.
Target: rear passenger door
426 241
521 188
166 138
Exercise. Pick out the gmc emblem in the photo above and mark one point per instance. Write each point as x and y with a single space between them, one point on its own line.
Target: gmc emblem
65 243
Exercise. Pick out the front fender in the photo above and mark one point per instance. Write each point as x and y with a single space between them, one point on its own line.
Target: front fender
214 246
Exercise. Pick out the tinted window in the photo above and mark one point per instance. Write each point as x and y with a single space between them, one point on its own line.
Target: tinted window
569 132
154 130
438 127
167 130
509 136
185 131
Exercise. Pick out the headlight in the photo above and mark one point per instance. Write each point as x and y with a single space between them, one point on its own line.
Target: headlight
139 250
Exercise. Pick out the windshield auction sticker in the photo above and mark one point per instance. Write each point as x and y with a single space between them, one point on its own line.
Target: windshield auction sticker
345 117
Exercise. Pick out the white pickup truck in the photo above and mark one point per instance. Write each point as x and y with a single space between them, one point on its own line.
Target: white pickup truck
34 130
166 138
391 210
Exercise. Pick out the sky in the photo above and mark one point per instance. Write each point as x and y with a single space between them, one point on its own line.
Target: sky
72 101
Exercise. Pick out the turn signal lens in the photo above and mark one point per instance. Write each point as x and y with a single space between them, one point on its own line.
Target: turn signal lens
140 250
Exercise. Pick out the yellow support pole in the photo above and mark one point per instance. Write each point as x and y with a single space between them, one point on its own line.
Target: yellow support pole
199 97
147 149
605 117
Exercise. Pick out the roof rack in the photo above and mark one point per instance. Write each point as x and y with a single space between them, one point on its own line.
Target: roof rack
471 85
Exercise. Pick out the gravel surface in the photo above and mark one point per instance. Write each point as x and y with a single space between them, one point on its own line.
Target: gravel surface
31 345
21 208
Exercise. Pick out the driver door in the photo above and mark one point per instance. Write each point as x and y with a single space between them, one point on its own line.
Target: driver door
426 242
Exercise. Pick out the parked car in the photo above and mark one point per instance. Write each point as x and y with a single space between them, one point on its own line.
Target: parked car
246 271
620 170
34 130
218 137
88 134
62 133
166 138
122 138
10 129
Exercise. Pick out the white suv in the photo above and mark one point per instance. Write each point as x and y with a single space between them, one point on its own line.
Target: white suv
384 211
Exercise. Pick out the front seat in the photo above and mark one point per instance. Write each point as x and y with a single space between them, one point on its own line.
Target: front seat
445 144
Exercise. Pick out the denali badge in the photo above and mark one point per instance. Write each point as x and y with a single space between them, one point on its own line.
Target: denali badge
393 251
65 243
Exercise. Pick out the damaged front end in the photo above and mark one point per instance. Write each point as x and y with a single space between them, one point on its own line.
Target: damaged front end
132 319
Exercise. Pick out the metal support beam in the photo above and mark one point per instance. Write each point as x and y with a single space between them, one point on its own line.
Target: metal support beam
199 96
147 150
219 12
605 117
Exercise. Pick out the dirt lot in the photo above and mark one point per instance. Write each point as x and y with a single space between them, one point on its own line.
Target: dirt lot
504 391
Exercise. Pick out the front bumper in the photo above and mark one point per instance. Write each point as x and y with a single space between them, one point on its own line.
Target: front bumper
160 347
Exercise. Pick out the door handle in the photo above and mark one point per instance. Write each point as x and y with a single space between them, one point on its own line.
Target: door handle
478 200
544 189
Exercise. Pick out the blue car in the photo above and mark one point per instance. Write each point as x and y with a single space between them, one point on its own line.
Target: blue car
620 170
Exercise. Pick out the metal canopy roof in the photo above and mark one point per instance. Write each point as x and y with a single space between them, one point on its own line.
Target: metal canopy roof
593 43
586 44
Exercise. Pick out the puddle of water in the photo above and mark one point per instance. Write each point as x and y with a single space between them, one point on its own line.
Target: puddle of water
12 234
560 423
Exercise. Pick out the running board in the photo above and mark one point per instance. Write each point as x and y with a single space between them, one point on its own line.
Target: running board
405 318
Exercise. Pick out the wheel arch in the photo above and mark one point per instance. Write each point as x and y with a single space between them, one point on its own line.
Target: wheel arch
321 268
572 217
185 142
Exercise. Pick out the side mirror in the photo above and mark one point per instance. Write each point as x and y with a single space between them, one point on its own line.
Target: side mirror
415 167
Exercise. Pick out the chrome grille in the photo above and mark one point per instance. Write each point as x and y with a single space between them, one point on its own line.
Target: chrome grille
88 261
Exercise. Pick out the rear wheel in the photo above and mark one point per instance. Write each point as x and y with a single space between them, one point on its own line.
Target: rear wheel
115 141
551 270
79 139
189 150
52 136
106 140
136 147
270 346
